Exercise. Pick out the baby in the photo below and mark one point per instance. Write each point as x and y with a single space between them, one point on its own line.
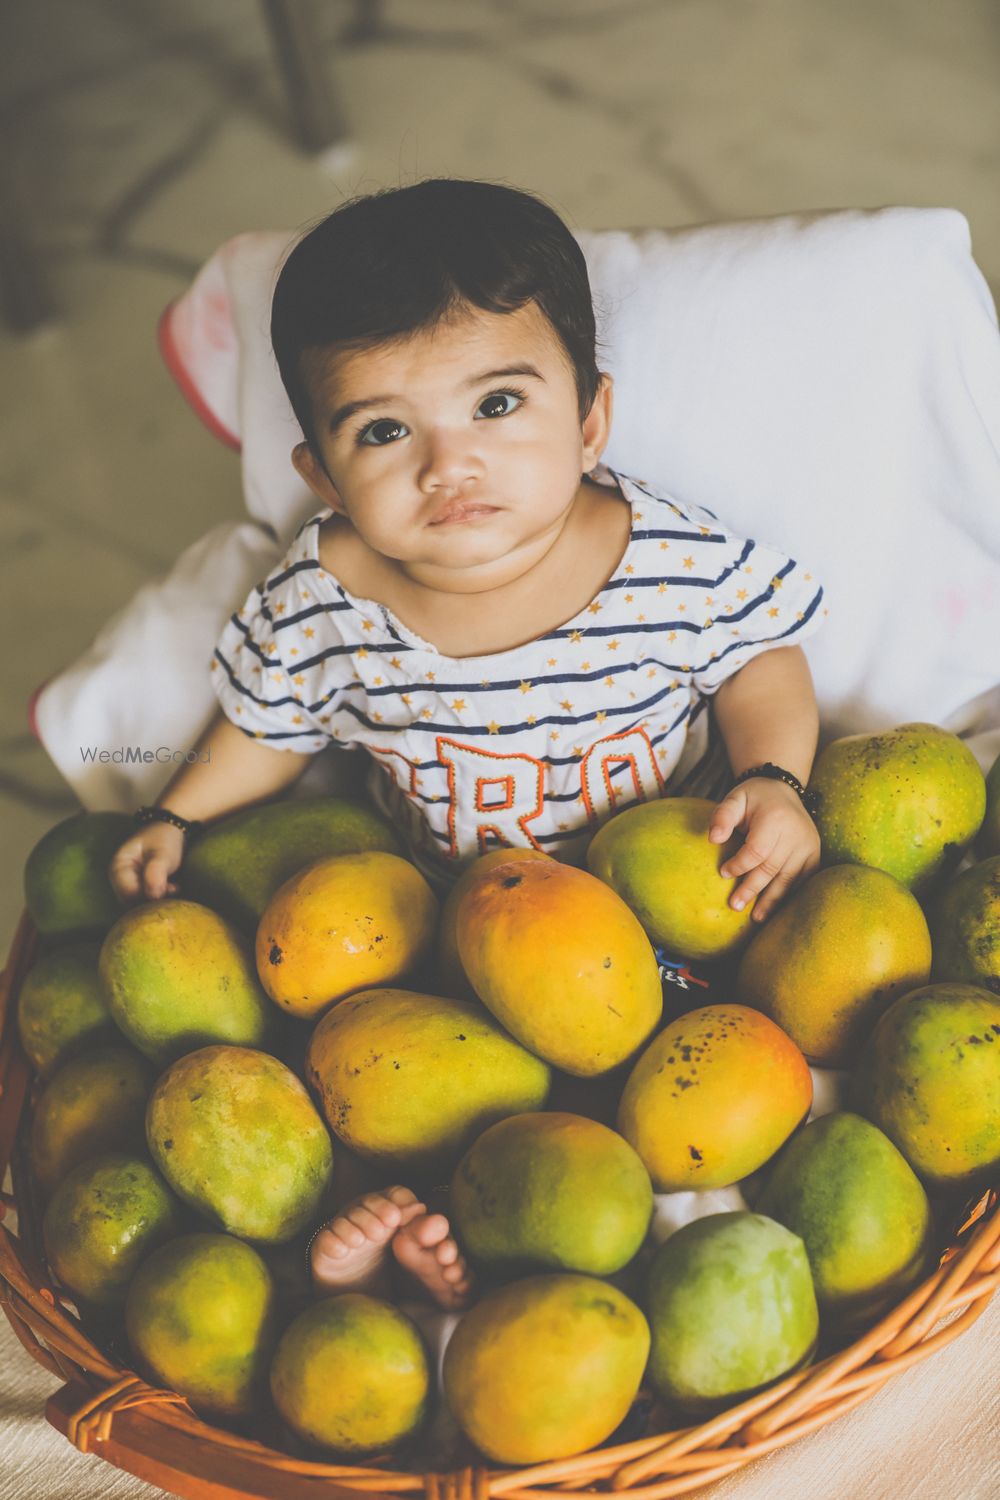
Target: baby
518 636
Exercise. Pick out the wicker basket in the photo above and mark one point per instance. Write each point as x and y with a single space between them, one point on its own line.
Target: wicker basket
153 1434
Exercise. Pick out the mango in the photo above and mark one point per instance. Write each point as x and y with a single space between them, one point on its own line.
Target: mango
966 928
66 886
177 976
657 856
545 1367
413 1078
200 1317
989 834
237 864
842 1186
237 1137
61 1009
732 1308
450 975
832 959
552 1191
344 924
713 1097
104 1218
906 801
560 961
93 1103
383 1398
930 1078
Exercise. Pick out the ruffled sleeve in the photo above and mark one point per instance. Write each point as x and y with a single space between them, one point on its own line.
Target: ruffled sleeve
758 599
254 687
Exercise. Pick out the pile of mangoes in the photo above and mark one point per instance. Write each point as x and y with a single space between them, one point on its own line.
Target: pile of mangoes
217 1073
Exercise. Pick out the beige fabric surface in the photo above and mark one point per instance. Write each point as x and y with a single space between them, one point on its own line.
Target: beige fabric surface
931 1434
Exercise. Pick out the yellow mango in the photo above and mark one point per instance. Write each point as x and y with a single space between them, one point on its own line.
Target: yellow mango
344 924
658 857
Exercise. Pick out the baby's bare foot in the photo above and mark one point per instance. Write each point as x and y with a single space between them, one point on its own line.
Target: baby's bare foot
349 1253
424 1246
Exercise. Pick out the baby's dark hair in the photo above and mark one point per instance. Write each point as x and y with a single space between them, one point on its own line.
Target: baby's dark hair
390 263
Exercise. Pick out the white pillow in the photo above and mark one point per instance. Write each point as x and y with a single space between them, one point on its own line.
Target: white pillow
829 383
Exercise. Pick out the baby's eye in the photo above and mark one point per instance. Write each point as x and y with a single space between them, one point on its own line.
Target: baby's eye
517 396
372 427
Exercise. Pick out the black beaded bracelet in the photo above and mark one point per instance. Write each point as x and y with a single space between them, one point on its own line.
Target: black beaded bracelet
771 772
163 815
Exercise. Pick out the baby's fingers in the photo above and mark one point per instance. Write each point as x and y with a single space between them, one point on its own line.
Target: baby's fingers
776 890
753 855
125 872
728 816
156 877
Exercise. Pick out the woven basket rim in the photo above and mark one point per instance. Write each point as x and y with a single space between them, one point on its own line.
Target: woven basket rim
664 1464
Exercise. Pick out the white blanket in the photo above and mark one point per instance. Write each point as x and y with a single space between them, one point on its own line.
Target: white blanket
826 382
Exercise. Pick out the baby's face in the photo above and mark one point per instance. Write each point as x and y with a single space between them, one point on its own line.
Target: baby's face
430 454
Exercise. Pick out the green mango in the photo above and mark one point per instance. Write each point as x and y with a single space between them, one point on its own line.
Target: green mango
841 1185
732 1308
177 976
238 1139
95 1102
61 1008
66 885
104 1218
236 865
551 1191
906 801
930 1078
201 1317
965 928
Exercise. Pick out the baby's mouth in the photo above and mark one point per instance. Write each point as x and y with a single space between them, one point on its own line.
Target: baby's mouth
466 510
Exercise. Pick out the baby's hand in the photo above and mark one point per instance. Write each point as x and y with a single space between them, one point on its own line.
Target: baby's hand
780 847
142 867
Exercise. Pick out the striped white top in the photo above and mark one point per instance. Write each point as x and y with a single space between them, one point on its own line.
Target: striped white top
535 746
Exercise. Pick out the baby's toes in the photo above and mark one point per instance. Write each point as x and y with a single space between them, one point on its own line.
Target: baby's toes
446 1253
374 1227
328 1245
432 1231
403 1197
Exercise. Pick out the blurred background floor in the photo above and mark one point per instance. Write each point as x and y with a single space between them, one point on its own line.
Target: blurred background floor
139 134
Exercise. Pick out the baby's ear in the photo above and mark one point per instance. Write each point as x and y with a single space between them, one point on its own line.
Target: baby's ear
315 476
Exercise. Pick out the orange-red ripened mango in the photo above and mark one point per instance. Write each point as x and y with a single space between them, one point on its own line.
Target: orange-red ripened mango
450 974
658 857
834 957
344 924
561 962
713 1097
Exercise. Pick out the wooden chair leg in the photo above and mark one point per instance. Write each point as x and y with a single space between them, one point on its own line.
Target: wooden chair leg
316 116
24 298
